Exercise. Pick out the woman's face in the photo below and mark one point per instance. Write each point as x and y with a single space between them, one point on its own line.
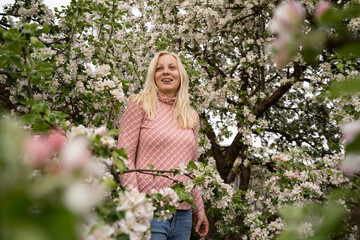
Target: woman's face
167 75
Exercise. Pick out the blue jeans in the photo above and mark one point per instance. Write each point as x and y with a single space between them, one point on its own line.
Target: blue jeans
176 228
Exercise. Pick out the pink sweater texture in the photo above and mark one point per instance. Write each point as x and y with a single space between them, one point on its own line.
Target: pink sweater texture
159 142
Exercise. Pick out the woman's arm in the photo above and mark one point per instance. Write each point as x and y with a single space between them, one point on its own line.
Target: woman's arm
196 192
129 138
200 219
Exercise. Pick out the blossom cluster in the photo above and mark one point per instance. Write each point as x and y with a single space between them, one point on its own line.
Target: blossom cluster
165 200
217 195
136 211
138 214
295 181
81 149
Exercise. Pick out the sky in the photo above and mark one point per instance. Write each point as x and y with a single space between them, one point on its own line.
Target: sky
50 3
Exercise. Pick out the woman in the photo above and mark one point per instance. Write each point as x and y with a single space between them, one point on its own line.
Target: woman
160 128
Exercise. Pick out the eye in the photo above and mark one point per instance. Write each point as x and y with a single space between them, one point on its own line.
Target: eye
159 69
172 67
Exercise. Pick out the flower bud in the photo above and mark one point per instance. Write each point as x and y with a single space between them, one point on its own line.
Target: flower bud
101 131
321 8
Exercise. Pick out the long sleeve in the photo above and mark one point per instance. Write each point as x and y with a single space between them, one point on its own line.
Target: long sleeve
197 192
129 139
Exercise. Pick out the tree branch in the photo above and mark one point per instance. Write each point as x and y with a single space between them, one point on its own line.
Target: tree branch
148 171
270 101
209 131
298 140
114 174
267 103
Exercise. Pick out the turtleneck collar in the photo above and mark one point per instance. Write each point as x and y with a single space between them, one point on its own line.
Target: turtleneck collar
165 99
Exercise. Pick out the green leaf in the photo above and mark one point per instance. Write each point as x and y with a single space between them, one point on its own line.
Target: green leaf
354 146
17 62
291 213
122 152
340 66
41 127
45 29
14 47
60 115
29 118
3 62
39 107
123 236
109 183
330 17
350 86
36 42
30 28
118 162
349 50
11 34
151 166
193 165
199 180
36 78
333 216
313 44
113 132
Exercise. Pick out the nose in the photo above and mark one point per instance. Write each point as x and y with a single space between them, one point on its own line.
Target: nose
166 71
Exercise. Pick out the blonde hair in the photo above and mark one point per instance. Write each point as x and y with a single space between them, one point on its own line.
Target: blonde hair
183 113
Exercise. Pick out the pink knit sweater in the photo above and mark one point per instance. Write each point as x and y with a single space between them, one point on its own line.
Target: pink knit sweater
159 142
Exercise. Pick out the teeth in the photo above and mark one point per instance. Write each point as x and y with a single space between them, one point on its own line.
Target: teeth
167 80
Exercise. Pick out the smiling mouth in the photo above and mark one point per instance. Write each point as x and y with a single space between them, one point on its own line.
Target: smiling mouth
166 80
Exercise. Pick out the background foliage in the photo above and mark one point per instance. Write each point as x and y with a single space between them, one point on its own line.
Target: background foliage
79 64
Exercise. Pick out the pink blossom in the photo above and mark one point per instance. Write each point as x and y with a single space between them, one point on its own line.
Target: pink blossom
28 128
56 140
321 8
39 151
286 23
350 131
287 17
282 54
101 131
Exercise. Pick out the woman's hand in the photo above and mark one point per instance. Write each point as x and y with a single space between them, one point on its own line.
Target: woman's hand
201 223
